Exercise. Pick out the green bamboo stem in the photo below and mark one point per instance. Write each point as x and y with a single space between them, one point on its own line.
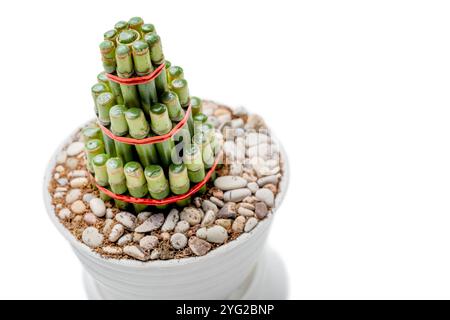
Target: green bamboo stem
196 105
148 28
107 50
161 124
194 164
96 90
102 78
137 124
136 182
182 139
127 37
99 166
210 132
105 101
110 35
170 99
121 26
119 125
175 72
136 23
125 70
93 147
110 146
147 154
180 87
117 180
92 132
199 120
143 66
202 141
161 82
156 53
124 151
157 183
178 179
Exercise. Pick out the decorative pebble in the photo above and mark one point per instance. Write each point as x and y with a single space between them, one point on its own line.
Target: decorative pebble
229 148
61 157
61 189
109 223
78 174
178 241
148 242
217 202
226 223
248 206
236 195
249 177
266 196
261 210
209 218
75 148
62 182
198 246
192 215
155 221
155 254
250 200
208 205
142 216
271 187
116 232
236 169
237 123
165 236
253 187
88 197
268 179
137 236
126 239
182 226
172 218
58 195
89 218
201 233
245 212
228 211
91 237
254 121
98 207
217 193
255 138
72 163
59 169
64 214
112 250
250 224
230 182
136 252
78 207
197 202
216 234
73 195
238 224
78 182
127 219
110 213
77 219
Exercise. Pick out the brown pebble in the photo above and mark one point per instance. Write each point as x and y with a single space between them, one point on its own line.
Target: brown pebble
271 187
261 210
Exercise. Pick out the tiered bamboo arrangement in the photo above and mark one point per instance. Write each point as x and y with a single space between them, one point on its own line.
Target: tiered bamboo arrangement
156 171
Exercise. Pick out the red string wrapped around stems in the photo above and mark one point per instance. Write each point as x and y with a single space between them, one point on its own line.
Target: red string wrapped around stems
168 200
137 80
149 140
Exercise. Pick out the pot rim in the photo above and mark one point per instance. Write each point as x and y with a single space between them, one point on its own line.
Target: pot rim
223 249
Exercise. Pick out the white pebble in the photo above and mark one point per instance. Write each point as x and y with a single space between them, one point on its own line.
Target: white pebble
78 207
87 197
148 242
216 234
126 239
112 250
127 219
208 205
98 207
90 219
91 237
255 138
72 163
251 223
109 223
237 123
253 186
116 232
78 174
245 212
58 195
78 182
110 213
238 224
172 218
64 214
209 218
155 221
236 169
75 148
73 195
178 241
201 233
230 182
136 252
268 179
266 196
182 227
155 254
62 181
192 215
142 216
61 157
217 202
237 194
59 169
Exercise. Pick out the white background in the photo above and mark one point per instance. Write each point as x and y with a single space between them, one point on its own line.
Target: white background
358 92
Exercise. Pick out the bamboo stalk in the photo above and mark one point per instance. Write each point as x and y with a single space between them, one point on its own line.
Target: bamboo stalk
137 124
157 183
147 154
136 23
110 35
121 26
102 78
92 132
110 146
136 183
202 141
119 127
125 70
199 120
105 101
180 87
196 105
148 28
156 53
101 175
107 50
96 90
93 147
194 164
179 182
117 180
161 124
175 72
143 66
170 99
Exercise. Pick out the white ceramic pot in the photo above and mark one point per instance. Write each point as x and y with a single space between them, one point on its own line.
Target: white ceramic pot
223 273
